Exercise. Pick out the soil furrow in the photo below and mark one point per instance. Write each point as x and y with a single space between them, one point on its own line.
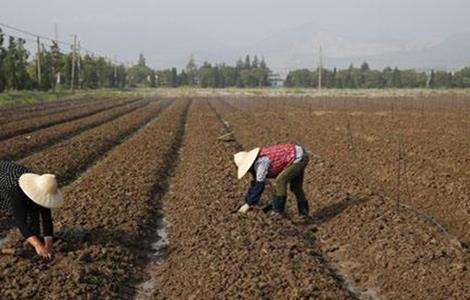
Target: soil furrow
392 255
19 109
373 161
366 147
70 158
215 253
155 215
103 227
34 111
23 145
77 153
9 130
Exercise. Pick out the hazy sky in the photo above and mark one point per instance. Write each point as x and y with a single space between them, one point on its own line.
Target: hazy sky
163 28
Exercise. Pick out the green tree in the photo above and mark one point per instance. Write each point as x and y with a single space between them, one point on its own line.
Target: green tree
183 78
191 71
24 79
10 65
462 78
255 63
365 67
239 64
229 74
174 77
442 79
396 78
153 79
56 63
299 78
349 81
47 69
247 64
90 73
432 80
205 75
139 74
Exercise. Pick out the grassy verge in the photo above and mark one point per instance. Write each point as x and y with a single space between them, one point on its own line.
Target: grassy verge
21 97
24 97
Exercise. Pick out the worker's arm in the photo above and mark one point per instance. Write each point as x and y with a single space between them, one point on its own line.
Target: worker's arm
256 189
47 228
254 192
19 209
18 205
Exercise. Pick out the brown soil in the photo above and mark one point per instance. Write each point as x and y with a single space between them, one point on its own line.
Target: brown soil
77 153
21 145
215 253
24 111
104 223
397 254
11 129
356 245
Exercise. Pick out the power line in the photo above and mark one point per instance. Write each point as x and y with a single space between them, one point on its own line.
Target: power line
18 37
14 28
34 35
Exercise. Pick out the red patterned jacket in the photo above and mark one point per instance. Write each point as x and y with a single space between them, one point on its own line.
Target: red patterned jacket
281 156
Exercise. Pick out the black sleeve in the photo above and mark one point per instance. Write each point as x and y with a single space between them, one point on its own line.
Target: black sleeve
19 209
254 192
46 217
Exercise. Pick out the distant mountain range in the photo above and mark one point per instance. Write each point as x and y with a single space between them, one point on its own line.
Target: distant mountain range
299 48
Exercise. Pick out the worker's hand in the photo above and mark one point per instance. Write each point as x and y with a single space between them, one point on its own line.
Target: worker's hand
49 243
42 251
244 209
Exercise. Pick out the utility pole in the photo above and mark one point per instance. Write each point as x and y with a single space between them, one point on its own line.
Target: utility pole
320 69
79 66
56 33
73 61
38 62
115 72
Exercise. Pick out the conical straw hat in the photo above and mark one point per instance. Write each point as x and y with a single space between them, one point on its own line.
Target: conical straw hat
244 160
42 189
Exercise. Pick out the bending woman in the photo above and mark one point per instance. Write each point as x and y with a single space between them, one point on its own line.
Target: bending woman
30 198
286 163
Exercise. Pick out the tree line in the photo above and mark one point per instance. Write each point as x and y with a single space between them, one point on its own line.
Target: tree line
250 72
365 77
50 68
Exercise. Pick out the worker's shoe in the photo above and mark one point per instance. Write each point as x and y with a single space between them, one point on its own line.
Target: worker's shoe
244 209
279 203
303 208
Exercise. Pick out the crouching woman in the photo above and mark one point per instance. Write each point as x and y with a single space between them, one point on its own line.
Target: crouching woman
30 198
286 164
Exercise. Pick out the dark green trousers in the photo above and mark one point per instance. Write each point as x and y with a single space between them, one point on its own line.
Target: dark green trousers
294 176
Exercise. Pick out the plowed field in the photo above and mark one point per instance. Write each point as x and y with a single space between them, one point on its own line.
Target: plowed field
388 188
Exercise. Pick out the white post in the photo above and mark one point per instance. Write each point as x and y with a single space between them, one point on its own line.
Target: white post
73 61
38 62
320 69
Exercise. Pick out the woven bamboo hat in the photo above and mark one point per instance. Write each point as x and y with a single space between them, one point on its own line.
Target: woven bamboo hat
244 160
42 189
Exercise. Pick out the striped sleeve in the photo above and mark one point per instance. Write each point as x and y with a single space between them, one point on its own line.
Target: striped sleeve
262 168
